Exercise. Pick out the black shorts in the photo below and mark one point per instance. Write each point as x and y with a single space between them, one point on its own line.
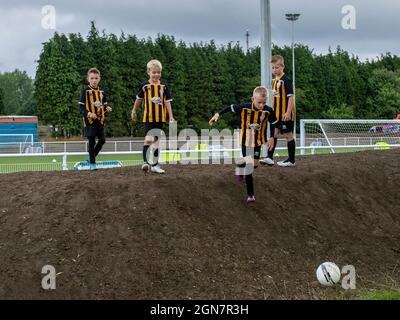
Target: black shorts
95 130
152 125
285 126
250 151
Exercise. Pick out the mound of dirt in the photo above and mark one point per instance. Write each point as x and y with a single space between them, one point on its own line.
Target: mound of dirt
188 234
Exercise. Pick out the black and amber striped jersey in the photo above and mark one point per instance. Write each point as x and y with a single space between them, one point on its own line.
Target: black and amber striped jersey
253 123
154 96
282 90
93 100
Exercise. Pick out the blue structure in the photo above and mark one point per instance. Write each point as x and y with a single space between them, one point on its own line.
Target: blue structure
85 165
11 126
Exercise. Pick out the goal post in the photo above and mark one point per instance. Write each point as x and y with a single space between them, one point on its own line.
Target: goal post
333 135
16 142
16 138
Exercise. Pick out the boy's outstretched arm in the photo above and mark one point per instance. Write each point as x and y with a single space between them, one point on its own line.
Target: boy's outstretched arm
213 119
233 108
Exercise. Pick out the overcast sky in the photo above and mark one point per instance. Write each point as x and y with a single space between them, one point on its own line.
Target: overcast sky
320 25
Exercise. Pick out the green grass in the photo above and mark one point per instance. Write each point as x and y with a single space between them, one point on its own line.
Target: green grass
283 153
47 163
49 159
380 295
386 288
340 150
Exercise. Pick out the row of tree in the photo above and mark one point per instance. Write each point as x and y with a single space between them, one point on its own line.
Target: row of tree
16 94
203 78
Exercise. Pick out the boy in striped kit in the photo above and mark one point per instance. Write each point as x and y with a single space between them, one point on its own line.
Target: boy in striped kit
93 107
156 100
254 118
283 104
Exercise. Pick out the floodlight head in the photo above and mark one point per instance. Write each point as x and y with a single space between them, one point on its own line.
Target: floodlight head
292 16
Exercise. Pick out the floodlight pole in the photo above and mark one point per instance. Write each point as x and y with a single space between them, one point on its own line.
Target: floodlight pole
293 17
266 50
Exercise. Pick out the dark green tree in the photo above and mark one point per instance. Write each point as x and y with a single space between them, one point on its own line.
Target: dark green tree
17 89
1 102
202 77
55 87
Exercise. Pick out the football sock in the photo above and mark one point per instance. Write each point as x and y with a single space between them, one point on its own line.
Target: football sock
271 152
145 149
291 145
249 184
156 153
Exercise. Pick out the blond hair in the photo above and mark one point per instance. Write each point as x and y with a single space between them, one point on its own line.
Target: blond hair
261 92
93 70
154 64
278 58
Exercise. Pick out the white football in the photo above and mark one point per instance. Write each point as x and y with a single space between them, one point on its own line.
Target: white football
328 274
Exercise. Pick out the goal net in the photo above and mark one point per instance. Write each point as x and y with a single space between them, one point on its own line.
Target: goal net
322 136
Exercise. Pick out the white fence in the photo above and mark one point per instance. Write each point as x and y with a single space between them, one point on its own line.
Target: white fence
82 146
67 147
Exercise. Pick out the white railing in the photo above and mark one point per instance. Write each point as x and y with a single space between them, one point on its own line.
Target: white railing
82 146
47 148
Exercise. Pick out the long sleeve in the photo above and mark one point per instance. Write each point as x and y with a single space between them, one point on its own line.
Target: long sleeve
232 108
82 104
104 99
140 94
167 94
272 121
289 87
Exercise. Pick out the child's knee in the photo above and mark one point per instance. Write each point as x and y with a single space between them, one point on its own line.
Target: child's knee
156 142
148 141
289 136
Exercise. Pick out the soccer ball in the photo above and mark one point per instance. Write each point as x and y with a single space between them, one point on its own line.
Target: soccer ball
328 274
54 160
